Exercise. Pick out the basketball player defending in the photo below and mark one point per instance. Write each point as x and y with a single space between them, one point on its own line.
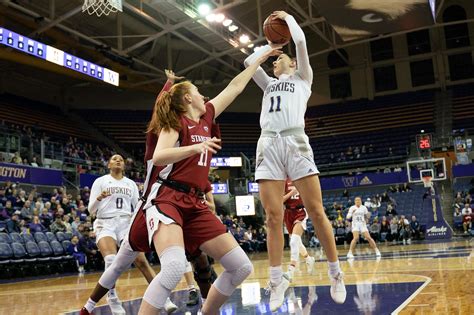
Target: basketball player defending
113 198
204 273
178 218
295 220
283 151
358 213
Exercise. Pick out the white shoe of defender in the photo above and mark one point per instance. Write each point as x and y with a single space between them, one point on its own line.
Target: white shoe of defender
115 305
170 307
350 255
377 253
310 264
338 289
277 293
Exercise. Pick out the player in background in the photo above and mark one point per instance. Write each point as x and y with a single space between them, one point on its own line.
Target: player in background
178 217
112 200
295 218
359 213
283 151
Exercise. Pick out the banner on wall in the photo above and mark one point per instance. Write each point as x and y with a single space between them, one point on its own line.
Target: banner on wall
30 175
361 180
87 180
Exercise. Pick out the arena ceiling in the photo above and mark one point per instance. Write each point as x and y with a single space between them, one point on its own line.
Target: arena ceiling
151 35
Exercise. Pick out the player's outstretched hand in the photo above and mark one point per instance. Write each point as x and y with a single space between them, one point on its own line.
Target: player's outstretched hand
172 76
274 52
211 145
280 14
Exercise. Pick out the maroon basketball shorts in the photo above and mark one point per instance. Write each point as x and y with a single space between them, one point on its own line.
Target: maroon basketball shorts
190 212
293 216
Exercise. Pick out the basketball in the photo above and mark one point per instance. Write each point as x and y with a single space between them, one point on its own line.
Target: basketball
276 30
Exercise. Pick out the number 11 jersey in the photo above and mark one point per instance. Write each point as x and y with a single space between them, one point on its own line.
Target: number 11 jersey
284 103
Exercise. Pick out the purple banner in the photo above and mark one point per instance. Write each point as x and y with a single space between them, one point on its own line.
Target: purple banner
369 179
436 226
30 175
87 180
463 170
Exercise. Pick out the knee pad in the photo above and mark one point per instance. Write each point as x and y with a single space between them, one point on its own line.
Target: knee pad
108 260
295 243
118 264
237 268
173 265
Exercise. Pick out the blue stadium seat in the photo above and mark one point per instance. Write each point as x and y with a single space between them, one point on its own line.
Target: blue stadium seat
51 237
68 235
40 237
16 238
65 245
45 250
33 250
5 253
19 251
58 250
5 238
27 238
60 236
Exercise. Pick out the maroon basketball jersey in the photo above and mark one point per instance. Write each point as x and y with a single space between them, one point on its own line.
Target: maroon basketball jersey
193 170
294 201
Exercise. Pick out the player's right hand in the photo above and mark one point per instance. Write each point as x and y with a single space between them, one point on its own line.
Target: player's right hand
103 195
211 145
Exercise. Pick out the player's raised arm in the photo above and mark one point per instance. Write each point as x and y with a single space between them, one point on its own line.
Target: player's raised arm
304 67
260 76
237 85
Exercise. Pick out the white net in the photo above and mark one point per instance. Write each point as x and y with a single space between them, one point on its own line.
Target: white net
101 7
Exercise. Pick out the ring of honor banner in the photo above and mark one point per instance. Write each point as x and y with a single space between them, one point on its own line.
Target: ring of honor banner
356 19
30 175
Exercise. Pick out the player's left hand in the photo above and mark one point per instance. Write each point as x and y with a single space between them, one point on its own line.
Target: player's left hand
274 52
280 14
172 76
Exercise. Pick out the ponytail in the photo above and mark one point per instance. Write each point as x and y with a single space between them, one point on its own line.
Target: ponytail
168 108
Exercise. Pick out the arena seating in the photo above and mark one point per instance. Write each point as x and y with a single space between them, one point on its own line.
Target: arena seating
390 121
26 254
21 111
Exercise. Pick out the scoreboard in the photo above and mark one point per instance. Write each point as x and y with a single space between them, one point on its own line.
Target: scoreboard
32 47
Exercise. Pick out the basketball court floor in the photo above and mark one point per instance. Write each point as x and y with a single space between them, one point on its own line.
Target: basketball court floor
428 278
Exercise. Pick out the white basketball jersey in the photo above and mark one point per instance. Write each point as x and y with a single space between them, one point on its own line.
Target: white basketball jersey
358 213
123 196
284 103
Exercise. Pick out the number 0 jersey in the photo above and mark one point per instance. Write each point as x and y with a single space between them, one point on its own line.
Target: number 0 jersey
284 103
123 196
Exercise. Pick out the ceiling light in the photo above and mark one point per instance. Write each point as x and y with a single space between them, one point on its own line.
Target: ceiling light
244 39
211 18
233 28
251 45
220 17
204 9
227 22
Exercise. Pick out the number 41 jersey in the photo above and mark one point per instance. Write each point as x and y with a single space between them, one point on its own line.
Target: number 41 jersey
194 170
284 103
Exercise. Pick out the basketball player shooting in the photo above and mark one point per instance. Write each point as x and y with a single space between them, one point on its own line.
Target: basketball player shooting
283 151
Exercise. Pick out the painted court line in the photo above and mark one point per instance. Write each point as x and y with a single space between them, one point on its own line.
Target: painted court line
411 297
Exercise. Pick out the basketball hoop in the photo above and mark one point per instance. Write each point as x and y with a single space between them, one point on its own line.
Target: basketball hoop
101 7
